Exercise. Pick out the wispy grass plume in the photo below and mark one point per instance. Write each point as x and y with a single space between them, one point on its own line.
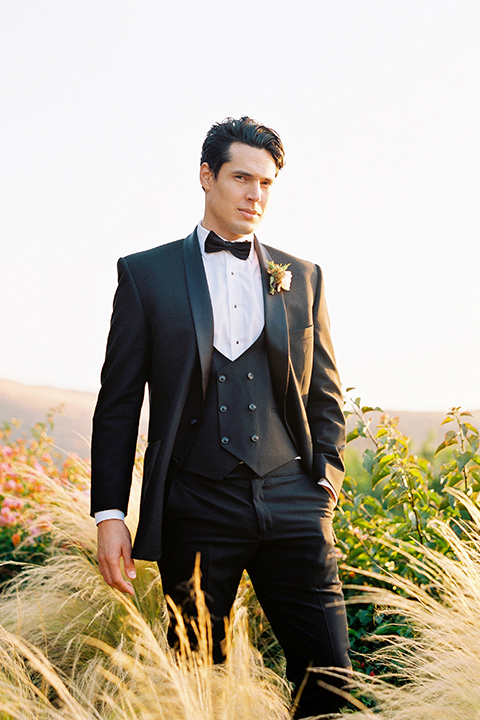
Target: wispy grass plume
435 673
76 649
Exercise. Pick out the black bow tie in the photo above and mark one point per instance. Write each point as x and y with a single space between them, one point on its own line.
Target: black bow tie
213 243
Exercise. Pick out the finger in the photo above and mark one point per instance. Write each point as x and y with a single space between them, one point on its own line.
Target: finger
113 577
128 563
129 566
124 586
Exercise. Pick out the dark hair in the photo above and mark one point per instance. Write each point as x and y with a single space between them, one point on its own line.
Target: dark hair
216 146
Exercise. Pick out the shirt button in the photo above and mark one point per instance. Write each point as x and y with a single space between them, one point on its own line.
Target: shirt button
221 378
250 376
224 440
255 438
252 406
223 408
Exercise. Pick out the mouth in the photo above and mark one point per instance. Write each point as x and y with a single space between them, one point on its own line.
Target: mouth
250 214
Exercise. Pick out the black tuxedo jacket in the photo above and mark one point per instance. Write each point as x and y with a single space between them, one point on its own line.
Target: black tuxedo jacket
162 334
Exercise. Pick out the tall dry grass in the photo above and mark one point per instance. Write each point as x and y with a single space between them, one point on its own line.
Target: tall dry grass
144 681
74 648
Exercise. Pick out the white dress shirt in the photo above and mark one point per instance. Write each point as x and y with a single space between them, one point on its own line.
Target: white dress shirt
236 294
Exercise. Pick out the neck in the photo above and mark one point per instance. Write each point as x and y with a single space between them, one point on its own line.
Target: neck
241 238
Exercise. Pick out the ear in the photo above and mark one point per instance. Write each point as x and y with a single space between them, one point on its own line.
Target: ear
206 176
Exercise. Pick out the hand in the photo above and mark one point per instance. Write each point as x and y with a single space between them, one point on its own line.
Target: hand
114 542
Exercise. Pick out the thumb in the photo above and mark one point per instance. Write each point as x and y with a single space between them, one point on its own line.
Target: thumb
129 564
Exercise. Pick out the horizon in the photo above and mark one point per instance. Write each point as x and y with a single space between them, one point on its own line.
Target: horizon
57 389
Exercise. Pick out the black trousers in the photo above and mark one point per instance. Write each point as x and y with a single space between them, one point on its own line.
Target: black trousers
278 528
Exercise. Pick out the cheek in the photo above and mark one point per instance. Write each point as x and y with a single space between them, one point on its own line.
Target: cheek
266 198
228 199
220 203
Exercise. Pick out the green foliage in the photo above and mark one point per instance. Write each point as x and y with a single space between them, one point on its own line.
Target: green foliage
354 467
383 529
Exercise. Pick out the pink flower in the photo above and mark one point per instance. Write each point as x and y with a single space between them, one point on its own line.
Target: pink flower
14 503
7 451
7 517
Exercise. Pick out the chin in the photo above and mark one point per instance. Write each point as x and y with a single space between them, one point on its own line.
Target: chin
246 229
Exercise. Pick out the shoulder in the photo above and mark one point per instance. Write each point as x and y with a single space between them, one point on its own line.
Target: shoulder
309 270
162 254
157 271
162 263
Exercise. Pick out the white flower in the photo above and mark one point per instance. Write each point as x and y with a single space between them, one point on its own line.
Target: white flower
285 282
280 277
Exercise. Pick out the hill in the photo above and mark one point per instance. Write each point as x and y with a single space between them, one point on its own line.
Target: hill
73 422
73 426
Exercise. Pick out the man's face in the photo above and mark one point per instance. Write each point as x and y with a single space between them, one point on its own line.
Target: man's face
236 199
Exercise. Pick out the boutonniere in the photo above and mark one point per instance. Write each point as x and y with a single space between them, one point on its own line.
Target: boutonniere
280 277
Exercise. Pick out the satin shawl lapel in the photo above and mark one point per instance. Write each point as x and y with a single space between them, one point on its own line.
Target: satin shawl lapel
200 304
276 329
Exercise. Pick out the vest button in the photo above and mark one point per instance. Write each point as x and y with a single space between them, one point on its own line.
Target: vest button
221 378
223 408
252 406
250 376
255 438
224 440
193 421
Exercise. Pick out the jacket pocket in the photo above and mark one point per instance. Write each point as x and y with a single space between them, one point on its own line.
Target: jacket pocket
154 443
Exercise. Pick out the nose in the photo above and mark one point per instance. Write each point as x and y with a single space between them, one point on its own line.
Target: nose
254 191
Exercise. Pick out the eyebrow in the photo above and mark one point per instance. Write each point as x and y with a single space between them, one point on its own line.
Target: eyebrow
249 174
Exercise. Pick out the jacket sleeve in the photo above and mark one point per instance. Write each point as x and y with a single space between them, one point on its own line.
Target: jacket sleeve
325 399
117 413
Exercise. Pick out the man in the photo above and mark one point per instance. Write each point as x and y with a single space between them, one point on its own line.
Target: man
246 430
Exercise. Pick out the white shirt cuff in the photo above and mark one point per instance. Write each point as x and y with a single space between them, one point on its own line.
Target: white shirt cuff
109 515
328 485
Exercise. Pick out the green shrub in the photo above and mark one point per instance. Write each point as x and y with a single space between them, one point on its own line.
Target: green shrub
382 530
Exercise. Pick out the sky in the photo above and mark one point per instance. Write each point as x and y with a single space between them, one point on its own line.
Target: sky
104 107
